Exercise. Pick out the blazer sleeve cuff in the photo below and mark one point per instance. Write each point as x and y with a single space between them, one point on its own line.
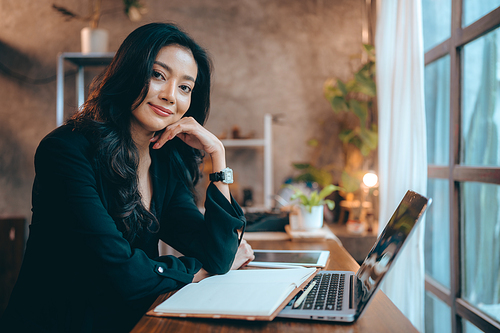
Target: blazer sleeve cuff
172 268
215 197
231 207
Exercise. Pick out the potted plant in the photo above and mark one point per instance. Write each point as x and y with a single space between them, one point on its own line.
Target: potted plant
359 137
353 101
93 38
311 207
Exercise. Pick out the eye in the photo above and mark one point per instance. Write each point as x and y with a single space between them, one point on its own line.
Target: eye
186 89
157 75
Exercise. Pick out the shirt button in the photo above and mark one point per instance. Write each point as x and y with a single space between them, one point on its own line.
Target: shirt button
160 269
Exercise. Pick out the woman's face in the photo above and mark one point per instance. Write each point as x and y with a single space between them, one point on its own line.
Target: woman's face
170 88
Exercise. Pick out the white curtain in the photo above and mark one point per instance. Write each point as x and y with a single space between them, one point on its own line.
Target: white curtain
402 141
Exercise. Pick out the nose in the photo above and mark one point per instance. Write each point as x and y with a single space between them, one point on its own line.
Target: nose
167 92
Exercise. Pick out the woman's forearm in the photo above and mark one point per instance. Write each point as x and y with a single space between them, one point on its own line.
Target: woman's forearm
218 164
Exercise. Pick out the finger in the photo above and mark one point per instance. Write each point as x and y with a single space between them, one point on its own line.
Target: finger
248 251
245 263
160 141
167 134
248 248
181 127
163 138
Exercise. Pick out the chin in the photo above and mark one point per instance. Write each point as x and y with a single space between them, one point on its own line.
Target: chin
156 126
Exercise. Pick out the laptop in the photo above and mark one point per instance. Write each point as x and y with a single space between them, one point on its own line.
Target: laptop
343 295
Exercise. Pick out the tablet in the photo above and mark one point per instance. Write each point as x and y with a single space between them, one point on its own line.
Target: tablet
284 258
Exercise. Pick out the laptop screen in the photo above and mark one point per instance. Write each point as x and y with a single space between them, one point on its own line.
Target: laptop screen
387 247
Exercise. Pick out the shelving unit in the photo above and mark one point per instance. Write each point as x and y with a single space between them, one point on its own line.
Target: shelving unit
81 61
266 143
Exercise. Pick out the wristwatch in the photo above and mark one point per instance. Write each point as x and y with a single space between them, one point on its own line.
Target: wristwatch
226 176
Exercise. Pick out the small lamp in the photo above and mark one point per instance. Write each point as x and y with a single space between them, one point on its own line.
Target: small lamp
370 180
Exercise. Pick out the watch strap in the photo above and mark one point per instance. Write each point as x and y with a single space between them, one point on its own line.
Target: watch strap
216 176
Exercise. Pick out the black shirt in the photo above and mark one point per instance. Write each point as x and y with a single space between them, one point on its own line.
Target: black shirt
79 273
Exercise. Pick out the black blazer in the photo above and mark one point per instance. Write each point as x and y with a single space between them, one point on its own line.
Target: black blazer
79 273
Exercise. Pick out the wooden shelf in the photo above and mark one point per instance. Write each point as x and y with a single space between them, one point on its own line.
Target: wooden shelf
266 143
81 60
244 142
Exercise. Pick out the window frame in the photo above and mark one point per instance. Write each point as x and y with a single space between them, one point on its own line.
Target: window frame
456 173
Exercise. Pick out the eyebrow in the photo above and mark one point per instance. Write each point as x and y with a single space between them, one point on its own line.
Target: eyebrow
164 65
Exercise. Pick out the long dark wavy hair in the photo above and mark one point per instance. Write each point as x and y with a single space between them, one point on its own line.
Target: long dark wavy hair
106 116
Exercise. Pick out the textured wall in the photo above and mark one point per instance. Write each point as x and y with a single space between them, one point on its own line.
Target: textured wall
270 56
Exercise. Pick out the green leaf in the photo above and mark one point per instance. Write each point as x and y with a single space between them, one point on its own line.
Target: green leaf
365 150
330 204
355 139
314 199
301 166
371 138
351 85
327 190
331 91
369 141
313 143
365 84
350 183
367 70
359 109
370 51
339 104
347 135
305 177
342 87
312 174
368 48
322 177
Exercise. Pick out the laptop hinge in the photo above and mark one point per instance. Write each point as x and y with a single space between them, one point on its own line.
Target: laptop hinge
351 291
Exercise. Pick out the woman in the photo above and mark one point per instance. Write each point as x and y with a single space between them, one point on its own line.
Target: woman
114 180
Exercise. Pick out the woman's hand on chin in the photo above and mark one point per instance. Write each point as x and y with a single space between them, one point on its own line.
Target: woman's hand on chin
192 133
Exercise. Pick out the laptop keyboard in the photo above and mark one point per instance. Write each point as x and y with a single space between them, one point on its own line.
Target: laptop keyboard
327 294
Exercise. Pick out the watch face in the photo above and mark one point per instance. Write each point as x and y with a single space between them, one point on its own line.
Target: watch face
229 176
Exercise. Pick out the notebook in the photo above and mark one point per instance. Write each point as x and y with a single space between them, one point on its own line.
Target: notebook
253 294
343 295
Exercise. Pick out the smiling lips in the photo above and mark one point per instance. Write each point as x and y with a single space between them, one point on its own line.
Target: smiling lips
161 111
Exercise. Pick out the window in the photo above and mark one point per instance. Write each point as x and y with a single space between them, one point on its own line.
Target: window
437 315
462 102
437 19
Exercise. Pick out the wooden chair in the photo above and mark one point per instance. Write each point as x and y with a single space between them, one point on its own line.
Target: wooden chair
11 255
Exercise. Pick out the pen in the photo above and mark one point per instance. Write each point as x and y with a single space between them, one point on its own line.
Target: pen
304 295
273 265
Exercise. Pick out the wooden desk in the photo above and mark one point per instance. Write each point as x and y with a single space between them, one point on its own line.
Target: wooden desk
380 316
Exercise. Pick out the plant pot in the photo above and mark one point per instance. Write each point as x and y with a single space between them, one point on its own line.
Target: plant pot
311 220
94 40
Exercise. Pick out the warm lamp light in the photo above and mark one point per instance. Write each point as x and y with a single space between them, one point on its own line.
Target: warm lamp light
370 179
